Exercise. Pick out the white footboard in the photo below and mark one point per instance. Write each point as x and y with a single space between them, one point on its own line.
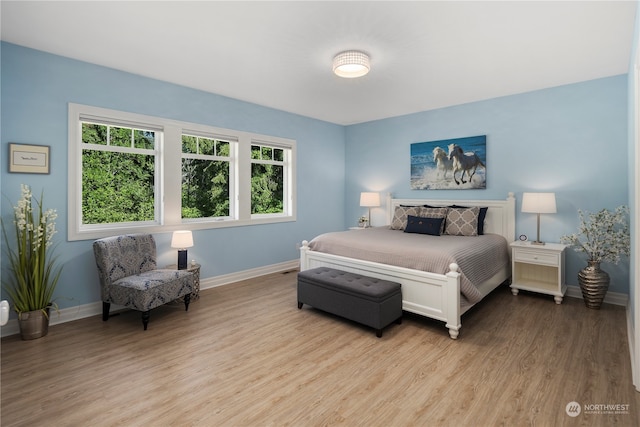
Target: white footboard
436 296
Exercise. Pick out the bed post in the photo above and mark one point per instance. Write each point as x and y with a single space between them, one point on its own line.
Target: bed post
453 301
389 209
510 218
303 255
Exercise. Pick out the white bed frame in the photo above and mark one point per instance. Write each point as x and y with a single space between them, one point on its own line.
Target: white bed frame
436 296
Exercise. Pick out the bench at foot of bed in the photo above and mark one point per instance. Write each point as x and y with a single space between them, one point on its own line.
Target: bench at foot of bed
366 300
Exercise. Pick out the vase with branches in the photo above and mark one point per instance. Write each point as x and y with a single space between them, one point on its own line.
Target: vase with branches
34 272
604 237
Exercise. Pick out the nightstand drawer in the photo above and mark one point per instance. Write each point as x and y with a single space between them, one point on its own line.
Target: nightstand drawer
535 257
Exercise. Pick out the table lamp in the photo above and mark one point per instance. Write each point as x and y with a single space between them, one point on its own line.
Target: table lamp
182 240
369 200
538 203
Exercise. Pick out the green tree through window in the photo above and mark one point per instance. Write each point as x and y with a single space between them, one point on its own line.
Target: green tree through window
267 179
118 174
205 177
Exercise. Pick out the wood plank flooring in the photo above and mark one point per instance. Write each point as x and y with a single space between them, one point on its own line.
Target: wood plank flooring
244 355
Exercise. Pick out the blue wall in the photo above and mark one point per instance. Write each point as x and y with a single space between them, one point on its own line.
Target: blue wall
36 88
571 140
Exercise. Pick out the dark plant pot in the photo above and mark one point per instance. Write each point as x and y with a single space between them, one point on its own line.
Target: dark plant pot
33 324
594 284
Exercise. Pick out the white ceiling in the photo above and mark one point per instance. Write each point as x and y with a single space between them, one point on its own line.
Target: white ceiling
424 54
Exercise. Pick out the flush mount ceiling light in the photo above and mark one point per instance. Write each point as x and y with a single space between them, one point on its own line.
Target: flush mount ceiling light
351 63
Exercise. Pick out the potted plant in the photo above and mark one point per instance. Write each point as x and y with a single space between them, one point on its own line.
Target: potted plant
33 272
604 237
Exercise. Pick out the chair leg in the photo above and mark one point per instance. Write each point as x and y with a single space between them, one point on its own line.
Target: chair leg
187 300
145 318
105 310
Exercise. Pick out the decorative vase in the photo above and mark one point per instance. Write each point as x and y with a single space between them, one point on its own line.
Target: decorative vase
594 284
33 324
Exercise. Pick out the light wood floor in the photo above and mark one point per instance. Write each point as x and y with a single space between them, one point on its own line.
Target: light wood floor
244 355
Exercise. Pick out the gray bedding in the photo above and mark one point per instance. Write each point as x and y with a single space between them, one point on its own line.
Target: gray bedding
479 257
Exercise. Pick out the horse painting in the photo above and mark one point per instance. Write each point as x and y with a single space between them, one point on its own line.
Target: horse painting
443 162
464 162
435 168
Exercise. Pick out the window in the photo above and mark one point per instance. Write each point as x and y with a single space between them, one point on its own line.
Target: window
135 173
206 177
268 180
118 174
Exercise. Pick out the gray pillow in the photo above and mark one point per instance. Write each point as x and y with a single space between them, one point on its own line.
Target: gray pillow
399 221
462 221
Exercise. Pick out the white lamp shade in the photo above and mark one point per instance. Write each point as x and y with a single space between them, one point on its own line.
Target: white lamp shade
369 200
182 239
539 202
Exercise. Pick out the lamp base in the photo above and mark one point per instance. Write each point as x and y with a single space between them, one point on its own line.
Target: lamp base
537 241
182 259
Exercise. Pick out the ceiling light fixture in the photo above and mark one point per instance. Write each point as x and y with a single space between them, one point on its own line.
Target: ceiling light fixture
351 63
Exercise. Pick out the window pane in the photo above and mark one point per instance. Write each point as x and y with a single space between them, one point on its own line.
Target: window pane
117 187
278 154
207 146
205 188
255 152
94 134
267 153
189 144
223 149
144 139
120 137
267 189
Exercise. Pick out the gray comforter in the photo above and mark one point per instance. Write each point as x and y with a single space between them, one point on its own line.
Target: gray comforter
479 257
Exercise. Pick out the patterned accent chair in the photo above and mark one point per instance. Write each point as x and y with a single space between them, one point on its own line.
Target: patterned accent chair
129 277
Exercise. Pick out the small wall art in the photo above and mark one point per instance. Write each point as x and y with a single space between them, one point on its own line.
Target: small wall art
25 158
449 164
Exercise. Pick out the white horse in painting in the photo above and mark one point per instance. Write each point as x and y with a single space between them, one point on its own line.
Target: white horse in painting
464 162
443 163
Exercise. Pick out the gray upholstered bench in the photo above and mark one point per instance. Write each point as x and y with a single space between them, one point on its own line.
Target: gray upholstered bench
366 300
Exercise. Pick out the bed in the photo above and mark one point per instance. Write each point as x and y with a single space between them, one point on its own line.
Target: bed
443 295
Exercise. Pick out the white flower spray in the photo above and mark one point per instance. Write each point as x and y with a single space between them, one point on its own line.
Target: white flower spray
603 236
34 274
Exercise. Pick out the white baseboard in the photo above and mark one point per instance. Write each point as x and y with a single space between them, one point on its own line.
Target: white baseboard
226 279
614 298
95 308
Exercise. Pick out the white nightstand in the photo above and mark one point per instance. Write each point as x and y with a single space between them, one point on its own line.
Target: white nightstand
538 268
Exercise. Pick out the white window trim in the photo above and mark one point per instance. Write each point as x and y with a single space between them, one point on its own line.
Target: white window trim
170 175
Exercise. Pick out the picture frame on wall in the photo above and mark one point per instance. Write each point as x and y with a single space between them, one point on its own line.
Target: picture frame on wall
26 158
450 164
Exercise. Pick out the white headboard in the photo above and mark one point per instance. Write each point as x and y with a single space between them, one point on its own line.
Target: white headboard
500 219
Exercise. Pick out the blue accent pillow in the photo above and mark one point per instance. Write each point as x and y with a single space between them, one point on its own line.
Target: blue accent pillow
420 225
481 216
